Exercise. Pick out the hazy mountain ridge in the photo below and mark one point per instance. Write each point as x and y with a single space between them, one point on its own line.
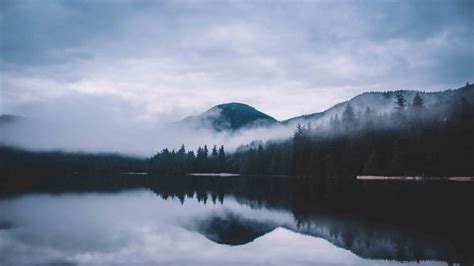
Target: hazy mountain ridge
380 102
235 116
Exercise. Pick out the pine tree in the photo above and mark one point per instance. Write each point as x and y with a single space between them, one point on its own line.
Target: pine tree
417 102
400 102
221 159
213 163
348 117
299 132
214 152
335 123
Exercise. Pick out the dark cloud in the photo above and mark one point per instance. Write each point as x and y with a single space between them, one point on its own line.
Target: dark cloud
156 54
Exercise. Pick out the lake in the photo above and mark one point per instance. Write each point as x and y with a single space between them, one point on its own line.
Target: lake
193 224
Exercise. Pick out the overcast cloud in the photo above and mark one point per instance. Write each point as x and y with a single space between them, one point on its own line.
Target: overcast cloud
163 60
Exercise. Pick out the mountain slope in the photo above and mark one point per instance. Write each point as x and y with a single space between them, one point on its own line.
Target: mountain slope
380 102
234 116
229 116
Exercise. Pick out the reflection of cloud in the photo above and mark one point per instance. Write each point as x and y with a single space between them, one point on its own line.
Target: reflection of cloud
140 228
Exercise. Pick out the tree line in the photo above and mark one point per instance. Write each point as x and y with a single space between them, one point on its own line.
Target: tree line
166 162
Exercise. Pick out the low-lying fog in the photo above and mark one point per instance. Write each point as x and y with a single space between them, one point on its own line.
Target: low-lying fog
108 124
140 139
93 124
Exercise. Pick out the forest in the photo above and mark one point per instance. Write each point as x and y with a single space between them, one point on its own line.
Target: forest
412 139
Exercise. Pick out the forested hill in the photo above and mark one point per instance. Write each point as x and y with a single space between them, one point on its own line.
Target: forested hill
229 116
380 102
410 138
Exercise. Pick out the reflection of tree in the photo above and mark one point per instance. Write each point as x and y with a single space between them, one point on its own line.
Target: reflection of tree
315 208
400 248
348 237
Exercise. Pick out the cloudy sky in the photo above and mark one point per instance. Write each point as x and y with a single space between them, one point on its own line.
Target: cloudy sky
163 60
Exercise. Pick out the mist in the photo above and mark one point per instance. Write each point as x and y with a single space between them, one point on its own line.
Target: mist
107 124
88 123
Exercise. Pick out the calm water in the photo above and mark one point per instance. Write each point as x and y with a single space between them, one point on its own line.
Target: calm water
141 227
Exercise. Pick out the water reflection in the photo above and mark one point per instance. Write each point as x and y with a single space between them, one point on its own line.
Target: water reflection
138 228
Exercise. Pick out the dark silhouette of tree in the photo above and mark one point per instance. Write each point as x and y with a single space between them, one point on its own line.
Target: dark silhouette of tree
400 102
221 159
335 123
214 152
348 117
417 102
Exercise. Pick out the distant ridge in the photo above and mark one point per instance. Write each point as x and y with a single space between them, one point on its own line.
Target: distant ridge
381 102
235 116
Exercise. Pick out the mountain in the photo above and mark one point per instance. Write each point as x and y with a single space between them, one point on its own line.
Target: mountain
381 102
234 116
303 118
229 116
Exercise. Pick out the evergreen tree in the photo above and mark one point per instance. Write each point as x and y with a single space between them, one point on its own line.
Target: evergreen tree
368 119
417 102
213 163
299 132
190 162
398 116
400 102
214 152
348 117
335 122
221 159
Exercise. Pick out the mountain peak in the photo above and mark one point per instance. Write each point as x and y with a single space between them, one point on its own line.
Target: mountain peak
231 116
234 107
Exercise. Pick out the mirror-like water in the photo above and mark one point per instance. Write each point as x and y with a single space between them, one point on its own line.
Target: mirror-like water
137 227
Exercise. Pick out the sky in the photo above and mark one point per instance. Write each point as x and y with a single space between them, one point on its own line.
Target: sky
159 61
